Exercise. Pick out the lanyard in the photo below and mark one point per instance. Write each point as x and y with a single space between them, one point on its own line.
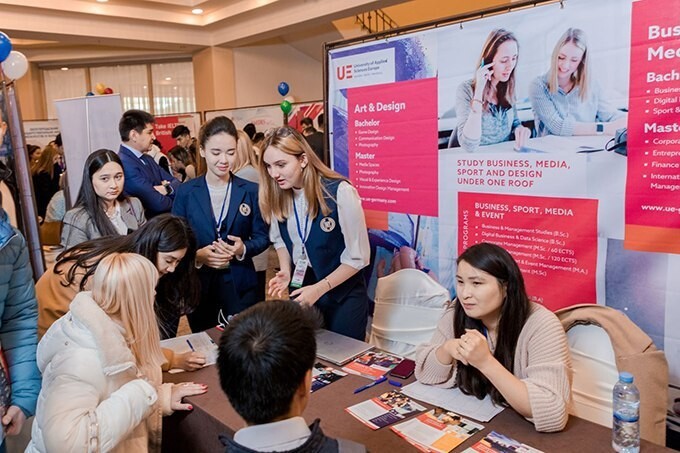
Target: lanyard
304 234
218 227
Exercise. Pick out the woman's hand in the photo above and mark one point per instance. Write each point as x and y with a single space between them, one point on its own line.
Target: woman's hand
179 391
278 285
474 348
237 249
522 136
13 420
189 361
451 347
211 255
482 76
308 295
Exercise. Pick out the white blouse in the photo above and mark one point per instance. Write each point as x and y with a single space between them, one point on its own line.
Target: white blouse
357 251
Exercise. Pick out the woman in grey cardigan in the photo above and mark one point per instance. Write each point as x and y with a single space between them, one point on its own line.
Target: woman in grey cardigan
101 208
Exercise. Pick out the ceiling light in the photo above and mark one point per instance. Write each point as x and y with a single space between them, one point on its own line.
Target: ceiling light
197 11
102 1
64 68
168 78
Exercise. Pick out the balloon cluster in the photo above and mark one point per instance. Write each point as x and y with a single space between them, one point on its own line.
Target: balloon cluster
287 104
100 88
14 64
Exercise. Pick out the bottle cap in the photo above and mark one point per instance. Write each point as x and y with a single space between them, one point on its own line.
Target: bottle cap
626 377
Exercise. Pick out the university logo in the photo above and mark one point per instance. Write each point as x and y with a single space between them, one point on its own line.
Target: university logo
344 72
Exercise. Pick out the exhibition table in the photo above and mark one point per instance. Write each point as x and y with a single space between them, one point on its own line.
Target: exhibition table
198 430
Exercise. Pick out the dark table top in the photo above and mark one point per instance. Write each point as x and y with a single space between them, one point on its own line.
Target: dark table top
198 430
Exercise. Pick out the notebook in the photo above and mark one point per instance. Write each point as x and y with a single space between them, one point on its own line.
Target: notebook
338 349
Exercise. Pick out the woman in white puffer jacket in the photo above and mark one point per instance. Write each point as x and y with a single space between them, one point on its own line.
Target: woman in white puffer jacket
101 366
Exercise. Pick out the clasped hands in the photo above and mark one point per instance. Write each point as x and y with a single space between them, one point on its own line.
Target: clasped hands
220 253
471 348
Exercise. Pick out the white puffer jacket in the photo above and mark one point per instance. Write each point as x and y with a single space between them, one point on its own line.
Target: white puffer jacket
93 396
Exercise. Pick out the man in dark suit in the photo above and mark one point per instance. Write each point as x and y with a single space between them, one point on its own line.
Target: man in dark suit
144 178
313 137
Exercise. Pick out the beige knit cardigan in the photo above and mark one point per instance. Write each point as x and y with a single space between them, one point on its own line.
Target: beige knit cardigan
542 362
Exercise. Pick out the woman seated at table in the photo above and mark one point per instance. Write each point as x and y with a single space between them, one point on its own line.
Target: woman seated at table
165 240
565 100
485 105
493 341
101 208
102 387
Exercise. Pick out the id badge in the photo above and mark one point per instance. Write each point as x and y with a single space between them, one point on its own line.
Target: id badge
300 269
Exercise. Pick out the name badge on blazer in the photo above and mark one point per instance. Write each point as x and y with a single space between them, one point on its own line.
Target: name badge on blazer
327 224
244 209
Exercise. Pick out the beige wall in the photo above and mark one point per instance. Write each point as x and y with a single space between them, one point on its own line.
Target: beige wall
31 94
214 79
260 69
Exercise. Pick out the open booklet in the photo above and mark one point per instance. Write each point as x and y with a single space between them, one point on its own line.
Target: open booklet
197 342
385 409
437 430
323 375
495 442
372 364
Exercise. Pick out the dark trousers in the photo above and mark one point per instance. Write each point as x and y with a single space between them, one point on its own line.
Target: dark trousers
218 292
348 316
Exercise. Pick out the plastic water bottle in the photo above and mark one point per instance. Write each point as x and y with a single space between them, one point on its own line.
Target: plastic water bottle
626 429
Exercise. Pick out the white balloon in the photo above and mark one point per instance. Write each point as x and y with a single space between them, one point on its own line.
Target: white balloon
15 65
290 99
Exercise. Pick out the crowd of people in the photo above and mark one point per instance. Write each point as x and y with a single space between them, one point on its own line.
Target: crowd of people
143 249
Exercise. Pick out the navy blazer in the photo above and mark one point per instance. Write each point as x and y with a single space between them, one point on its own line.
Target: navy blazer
192 202
140 180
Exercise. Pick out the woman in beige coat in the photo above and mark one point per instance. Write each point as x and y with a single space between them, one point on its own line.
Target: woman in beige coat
101 365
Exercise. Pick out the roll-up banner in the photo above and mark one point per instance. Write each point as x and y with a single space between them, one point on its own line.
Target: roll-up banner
551 130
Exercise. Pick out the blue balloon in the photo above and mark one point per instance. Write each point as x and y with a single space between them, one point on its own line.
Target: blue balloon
5 46
89 93
283 88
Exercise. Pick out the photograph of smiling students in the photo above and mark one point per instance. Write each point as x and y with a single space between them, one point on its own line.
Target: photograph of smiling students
223 211
318 230
485 104
493 341
102 208
566 100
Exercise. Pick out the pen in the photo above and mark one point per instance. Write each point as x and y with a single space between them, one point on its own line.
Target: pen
190 346
394 383
380 380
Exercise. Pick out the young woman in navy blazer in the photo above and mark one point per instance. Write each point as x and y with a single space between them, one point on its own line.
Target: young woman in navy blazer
317 226
223 211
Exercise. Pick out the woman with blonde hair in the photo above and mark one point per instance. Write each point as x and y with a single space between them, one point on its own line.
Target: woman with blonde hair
243 163
45 173
565 100
485 104
101 363
318 229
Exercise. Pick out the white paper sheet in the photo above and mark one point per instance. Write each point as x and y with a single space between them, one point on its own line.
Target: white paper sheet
454 400
198 342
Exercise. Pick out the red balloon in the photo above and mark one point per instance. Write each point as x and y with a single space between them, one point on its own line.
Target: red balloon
108 91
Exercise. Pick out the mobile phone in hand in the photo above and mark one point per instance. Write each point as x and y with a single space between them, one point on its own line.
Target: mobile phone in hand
404 370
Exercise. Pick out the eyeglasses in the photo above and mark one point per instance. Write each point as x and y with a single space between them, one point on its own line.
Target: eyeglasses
283 131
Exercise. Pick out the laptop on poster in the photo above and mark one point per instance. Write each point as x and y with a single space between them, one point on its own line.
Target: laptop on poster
338 349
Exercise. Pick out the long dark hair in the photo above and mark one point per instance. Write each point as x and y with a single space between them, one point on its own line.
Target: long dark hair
176 293
496 261
505 91
87 197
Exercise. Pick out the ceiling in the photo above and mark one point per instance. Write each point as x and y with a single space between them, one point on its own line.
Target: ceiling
52 32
